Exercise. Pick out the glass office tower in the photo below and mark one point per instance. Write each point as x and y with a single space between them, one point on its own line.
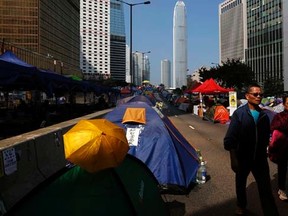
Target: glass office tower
265 39
179 46
43 33
117 41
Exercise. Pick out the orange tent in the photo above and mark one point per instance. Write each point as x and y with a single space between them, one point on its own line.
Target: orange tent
217 113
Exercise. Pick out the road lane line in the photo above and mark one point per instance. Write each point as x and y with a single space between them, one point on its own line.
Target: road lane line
191 127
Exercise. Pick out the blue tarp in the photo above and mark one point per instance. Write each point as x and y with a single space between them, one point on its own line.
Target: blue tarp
135 98
15 74
170 157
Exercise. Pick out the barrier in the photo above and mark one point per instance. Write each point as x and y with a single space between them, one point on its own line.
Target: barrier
29 159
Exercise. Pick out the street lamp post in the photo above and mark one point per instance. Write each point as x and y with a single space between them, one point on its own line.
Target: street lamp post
131 57
143 70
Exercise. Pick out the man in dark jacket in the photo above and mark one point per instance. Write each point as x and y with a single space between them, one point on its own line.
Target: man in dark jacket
247 139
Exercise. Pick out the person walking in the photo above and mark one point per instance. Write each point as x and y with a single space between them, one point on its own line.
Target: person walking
247 139
280 123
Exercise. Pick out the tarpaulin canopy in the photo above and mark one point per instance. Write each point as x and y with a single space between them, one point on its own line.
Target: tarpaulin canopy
16 74
189 91
210 87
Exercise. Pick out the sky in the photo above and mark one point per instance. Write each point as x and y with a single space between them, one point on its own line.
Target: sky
153 31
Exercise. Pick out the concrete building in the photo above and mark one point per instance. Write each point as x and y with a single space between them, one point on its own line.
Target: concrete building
103 41
166 73
179 46
43 33
95 39
128 75
141 65
232 30
265 36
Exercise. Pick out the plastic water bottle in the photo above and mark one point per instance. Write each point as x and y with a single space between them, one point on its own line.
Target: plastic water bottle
201 173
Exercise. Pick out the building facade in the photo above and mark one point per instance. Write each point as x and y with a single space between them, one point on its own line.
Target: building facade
43 33
141 64
95 39
179 46
265 33
166 73
117 41
285 44
232 34
264 53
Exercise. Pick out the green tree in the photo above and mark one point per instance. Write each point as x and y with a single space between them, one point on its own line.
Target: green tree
273 87
231 74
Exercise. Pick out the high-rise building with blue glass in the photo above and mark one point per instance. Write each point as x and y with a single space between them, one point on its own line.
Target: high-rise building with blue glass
117 41
103 44
179 46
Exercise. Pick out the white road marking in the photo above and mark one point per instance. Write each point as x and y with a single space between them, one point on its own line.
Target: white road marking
191 127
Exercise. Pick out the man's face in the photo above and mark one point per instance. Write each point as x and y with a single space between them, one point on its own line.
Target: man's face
254 96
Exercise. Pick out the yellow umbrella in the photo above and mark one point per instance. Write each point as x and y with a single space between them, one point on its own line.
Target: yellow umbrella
95 144
146 81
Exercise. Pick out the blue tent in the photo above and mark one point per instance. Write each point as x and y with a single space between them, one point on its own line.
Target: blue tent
134 98
170 157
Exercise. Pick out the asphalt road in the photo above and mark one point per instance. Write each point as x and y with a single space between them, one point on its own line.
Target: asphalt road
217 196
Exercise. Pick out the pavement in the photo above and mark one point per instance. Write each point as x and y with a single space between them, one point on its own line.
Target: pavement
217 196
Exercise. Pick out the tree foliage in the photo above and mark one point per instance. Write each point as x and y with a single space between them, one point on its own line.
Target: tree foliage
273 87
231 74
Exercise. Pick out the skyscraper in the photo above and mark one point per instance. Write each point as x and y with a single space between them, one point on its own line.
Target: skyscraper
141 69
95 39
43 33
117 41
265 39
232 34
265 36
166 73
179 45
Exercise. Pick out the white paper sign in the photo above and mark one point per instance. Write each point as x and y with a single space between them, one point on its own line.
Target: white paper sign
9 161
132 135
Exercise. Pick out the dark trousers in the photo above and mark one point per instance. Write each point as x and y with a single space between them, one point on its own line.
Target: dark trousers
260 171
282 171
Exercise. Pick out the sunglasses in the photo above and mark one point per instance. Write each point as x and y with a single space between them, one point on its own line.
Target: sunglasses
256 94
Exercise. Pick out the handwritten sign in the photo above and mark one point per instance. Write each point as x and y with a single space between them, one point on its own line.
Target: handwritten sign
9 161
132 135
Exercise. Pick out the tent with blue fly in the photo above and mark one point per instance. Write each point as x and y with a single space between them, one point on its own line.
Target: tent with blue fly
155 141
133 98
